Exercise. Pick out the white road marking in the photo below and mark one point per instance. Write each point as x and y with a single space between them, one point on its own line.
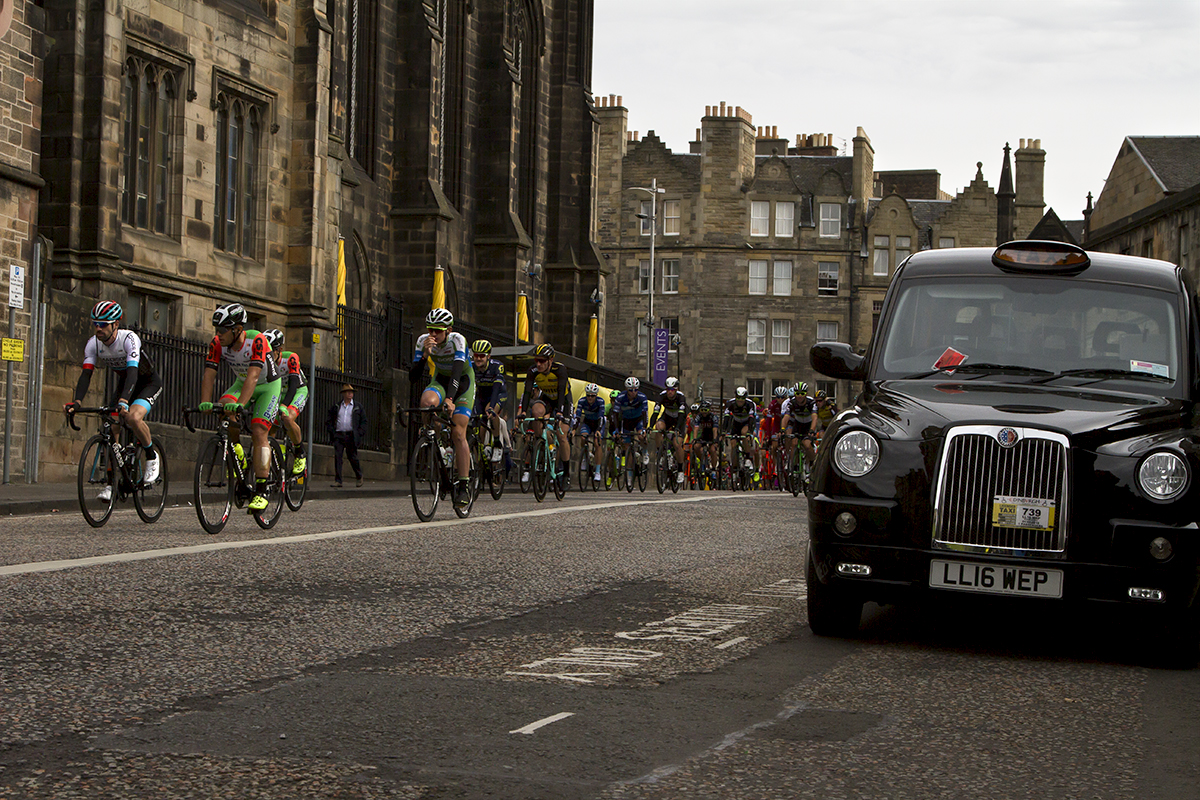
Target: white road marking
698 624
143 555
788 587
541 723
732 642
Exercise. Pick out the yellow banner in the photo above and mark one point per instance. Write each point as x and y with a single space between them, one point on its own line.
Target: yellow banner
522 318
593 340
439 288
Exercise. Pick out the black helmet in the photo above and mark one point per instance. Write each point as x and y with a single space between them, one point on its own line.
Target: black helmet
230 315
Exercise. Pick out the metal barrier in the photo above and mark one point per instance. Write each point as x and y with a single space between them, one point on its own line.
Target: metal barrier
375 397
180 361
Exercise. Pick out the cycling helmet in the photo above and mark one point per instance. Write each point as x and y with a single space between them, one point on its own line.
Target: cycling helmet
274 339
694 408
544 351
106 311
632 383
481 347
791 392
781 391
614 394
801 388
672 383
821 394
706 405
230 315
591 389
741 392
439 319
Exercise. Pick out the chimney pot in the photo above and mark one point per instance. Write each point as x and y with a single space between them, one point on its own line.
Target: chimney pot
722 108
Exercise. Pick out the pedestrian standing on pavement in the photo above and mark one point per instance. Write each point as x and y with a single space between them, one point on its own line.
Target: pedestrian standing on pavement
347 425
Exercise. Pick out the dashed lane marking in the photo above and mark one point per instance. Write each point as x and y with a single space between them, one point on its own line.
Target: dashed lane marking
143 555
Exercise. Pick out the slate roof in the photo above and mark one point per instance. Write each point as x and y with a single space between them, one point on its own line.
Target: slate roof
1174 160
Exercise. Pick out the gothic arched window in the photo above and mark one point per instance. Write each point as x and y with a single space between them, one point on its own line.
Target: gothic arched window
360 73
239 137
149 109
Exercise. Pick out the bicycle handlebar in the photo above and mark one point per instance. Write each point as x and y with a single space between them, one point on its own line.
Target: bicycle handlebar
71 411
243 414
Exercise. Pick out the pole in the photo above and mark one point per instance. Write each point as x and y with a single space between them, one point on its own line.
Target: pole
650 312
312 400
37 349
8 395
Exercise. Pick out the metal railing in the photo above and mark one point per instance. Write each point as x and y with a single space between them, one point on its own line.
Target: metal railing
375 397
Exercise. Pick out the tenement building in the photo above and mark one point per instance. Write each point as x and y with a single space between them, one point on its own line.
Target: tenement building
764 247
196 153
1150 204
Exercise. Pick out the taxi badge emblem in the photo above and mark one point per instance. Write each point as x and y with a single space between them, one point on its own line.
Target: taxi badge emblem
1007 437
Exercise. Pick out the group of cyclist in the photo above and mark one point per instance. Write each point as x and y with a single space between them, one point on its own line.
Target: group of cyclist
441 354
269 382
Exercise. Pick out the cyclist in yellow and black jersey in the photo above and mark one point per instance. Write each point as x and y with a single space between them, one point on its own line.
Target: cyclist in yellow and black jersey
549 377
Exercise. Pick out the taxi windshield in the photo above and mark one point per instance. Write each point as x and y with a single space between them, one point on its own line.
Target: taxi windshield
1037 329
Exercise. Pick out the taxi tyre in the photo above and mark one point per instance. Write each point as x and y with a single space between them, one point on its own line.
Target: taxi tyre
830 611
1177 644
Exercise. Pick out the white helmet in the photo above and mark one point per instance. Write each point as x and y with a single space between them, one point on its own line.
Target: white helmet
274 339
741 392
781 391
632 383
439 319
672 383
591 388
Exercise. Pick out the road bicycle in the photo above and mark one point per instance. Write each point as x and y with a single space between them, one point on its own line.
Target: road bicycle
541 460
488 453
612 468
112 470
588 464
295 485
225 479
741 471
666 470
796 466
431 466
637 466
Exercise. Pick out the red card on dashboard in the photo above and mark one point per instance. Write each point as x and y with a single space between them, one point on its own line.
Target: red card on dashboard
949 359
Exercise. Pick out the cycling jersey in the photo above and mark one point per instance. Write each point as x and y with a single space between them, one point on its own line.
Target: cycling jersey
770 419
491 386
739 414
138 382
554 385
799 410
632 411
705 423
252 353
826 412
589 414
672 409
453 374
295 394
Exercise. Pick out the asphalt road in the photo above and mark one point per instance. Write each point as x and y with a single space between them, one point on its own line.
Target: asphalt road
606 646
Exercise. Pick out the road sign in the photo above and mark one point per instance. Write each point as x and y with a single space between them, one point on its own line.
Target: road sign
13 349
662 343
316 338
16 286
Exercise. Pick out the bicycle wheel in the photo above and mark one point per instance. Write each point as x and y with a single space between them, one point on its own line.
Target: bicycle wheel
526 467
297 485
540 469
425 478
498 474
96 473
675 471
630 464
213 487
661 470
583 470
561 479
796 472
276 491
150 500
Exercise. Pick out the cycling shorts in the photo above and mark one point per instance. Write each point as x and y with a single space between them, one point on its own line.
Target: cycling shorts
264 403
464 403
146 390
588 428
678 422
298 402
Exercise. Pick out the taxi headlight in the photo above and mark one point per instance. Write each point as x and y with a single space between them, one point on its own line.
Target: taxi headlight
856 453
1163 476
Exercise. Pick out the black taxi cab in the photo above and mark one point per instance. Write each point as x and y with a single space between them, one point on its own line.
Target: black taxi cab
1026 432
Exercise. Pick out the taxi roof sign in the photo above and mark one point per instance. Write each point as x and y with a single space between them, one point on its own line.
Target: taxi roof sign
1038 256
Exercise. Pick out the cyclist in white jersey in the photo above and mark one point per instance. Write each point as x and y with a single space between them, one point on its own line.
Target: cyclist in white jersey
452 386
120 349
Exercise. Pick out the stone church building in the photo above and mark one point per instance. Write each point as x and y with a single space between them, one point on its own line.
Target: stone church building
175 155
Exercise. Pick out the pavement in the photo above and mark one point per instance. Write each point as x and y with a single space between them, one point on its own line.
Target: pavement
41 498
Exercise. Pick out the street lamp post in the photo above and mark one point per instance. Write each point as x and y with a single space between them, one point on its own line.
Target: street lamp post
654 192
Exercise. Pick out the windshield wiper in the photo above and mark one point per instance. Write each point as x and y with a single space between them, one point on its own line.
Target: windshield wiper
1101 374
982 368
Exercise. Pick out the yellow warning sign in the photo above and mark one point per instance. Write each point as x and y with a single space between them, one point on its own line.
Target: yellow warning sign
14 349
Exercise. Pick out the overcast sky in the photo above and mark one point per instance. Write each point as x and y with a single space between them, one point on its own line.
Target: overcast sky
936 84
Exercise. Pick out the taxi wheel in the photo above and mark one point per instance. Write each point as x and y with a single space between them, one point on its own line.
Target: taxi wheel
830 612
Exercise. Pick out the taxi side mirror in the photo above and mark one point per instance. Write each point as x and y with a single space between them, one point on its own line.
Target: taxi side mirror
837 360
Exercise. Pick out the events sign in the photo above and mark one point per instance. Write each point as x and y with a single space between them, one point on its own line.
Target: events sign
662 343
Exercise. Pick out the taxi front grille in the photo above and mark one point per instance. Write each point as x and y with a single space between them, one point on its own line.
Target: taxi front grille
976 470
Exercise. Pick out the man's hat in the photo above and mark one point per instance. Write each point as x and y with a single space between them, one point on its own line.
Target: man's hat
347 387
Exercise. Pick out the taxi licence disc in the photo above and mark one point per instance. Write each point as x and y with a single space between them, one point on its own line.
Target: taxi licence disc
1027 513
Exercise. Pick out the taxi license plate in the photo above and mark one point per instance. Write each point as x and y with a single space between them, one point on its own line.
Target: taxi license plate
1029 513
965 576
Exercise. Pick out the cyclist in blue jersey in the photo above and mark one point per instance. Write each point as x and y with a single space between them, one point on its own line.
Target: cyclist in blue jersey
632 409
452 387
589 423
490 393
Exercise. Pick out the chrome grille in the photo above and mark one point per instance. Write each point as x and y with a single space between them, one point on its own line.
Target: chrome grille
976 469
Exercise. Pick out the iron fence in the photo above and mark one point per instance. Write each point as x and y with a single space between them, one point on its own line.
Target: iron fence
180 361
375 397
